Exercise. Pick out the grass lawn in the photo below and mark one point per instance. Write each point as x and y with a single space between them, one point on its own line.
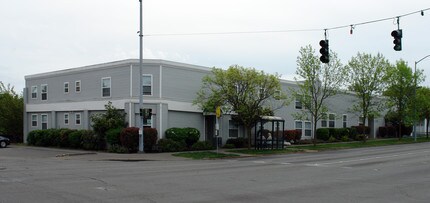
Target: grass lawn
331 146
205 155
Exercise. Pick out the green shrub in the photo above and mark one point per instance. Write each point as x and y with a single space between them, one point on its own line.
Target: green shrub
239 142
75 139
344 138
34 136
168 145
63 140
90 141
187 135
150 137
323 134
332 132
332 139
112 136
175 134
129 139
340 132
192 136
202 145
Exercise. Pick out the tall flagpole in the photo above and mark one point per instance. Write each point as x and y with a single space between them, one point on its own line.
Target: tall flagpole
141 145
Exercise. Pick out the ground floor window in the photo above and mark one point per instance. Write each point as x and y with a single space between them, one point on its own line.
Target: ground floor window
233 129
66 119
308 128
44 121
78 118
34 120
345 120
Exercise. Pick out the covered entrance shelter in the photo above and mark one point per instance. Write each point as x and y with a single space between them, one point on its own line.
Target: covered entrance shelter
269 133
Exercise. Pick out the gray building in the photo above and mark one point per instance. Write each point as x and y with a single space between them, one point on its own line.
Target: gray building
67 98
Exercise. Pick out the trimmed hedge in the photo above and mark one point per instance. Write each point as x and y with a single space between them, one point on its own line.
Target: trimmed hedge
168 145
292 135
129 139
323 134
202 145
150 136
187 135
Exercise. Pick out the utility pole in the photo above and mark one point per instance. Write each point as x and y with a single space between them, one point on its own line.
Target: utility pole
141 145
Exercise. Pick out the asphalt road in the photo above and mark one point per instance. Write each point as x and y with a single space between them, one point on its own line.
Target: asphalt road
385 174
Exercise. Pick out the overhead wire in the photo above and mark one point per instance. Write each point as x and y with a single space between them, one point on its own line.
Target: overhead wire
352 26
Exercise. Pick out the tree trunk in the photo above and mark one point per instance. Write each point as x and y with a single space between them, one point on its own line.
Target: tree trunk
427 128
314 140
248 132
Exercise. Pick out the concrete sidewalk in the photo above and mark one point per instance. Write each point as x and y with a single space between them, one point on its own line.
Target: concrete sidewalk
76 154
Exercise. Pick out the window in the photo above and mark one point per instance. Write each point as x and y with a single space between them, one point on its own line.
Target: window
33 120
324 120
106 87
298 104
308 128
44 92
44 121
345 120
78 119
233 129
331 120
66 119
299 125
361 120
34 92
78 86
66 87
147 84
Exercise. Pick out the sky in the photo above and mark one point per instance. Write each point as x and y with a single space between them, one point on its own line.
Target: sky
48 35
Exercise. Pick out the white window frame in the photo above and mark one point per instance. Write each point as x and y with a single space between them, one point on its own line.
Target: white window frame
331 120
324 120
361 120
42 92
66 118
297 101
41 121
344 120
32 92
110 86
152 84
76 86
233 127
78 119
33 120
306 129
295 125
66 87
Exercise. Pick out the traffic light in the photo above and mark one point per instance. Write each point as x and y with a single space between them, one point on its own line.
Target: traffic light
146 113
324 51
397 34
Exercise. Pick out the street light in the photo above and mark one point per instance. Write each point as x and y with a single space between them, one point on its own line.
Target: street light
415 96
141 145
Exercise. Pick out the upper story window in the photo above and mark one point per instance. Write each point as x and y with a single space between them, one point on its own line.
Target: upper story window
66 87
44 91
147 84
106 87
34 92
78 86
298 104
277 95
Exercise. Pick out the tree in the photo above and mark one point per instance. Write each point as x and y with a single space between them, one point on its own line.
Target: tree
111 119
11 113
249 93
321 81
422 103
366 80
400 91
